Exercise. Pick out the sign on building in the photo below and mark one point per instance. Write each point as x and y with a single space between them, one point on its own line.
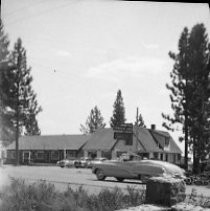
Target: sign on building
124 132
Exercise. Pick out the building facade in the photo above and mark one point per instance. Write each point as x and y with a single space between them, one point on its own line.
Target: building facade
46 149
147 143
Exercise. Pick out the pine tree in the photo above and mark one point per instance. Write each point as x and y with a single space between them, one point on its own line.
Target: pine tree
21 98
4 44
139 120
6 126
94 121
118 117
189 93
31 123
199 57
180 90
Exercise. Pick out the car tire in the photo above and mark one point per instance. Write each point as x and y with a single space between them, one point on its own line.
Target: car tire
119 179
100 174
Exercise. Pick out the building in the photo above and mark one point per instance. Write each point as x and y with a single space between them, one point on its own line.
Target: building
148 143
100 144
106 142
47 149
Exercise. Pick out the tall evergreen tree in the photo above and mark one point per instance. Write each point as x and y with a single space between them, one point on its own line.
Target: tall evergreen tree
118 117
6 126
189 86
199 57
94 121
21 98
139 119
180 90
4 44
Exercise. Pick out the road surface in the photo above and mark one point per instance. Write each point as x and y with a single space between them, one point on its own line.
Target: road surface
62 177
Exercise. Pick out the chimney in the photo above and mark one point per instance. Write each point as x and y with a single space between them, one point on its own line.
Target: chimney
153 127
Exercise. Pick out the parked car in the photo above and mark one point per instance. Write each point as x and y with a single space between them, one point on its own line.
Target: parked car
65 163
136 169
83 162
97 161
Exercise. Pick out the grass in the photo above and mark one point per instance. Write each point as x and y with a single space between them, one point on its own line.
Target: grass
42 196
198 200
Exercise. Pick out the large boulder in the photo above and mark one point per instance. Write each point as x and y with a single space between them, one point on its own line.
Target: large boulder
165 191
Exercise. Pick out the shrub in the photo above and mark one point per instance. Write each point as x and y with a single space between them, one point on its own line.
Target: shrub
198 200
42 196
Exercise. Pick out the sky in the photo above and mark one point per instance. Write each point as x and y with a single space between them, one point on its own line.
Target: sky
83 51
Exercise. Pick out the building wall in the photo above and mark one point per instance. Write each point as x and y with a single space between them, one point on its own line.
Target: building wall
42 156
98 153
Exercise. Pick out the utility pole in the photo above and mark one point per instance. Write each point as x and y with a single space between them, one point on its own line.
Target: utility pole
137 116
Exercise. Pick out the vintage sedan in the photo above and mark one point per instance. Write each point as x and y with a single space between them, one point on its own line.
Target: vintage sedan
138 169
83 162
97 161
65 163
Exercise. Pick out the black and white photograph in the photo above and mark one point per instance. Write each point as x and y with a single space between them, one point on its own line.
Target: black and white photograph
104 105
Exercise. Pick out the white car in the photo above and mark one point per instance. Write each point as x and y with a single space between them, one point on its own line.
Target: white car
65 163
138 169
83 162
97 161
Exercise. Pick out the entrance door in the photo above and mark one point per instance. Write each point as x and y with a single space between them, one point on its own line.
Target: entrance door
26 157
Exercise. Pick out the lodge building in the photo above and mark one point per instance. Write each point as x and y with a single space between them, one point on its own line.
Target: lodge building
106 142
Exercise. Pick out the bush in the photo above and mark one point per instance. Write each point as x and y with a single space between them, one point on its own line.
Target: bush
42 196
198 200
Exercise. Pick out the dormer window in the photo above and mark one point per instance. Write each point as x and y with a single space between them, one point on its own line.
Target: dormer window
166 142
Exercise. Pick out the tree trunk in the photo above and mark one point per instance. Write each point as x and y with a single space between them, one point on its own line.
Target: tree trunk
186 143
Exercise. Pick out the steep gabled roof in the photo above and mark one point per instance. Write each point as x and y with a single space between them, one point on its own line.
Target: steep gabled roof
160 136
102 139
146 140
51 142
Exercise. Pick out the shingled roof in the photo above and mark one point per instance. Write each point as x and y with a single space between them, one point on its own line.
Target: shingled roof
102 139
160 136
146 140
50 142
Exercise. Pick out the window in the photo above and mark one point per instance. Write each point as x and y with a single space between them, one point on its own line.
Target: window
71 154
155 155
174 160
40 155
11 154
166 157
166 142
161 156
54 155
128 139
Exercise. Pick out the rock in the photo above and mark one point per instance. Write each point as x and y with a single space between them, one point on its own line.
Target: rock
165 191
